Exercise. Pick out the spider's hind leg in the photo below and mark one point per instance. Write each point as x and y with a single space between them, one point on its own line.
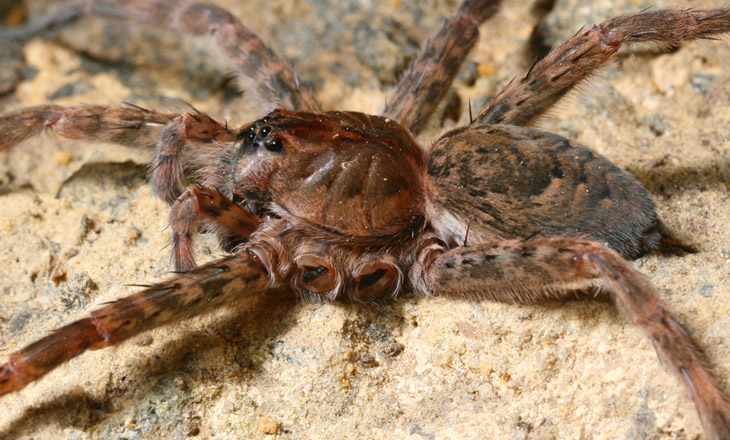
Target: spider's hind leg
531 270
526 98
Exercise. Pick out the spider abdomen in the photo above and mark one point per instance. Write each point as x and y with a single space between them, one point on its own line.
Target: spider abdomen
513 182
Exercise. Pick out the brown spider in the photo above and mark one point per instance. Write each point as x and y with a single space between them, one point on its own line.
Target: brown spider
332 205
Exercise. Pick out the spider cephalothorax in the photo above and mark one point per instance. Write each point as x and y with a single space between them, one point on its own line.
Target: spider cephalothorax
351 173
332 205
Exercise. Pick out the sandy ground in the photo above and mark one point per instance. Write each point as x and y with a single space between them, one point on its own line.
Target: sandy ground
77 223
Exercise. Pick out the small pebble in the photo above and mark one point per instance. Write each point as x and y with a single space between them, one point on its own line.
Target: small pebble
270 426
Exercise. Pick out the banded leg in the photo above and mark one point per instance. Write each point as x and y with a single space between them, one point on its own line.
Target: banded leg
223 282
232 223
271 81
524 99
424 84
126 125
167 168
528 271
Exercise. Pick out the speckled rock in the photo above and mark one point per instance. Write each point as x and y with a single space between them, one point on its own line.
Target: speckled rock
77 223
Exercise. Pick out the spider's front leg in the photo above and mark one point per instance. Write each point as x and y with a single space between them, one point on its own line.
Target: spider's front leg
126 125
233 279
526 98
231 222
528 271
167 168
270 80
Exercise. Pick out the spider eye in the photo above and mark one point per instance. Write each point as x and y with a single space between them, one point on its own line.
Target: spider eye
275 145
265 130
245 134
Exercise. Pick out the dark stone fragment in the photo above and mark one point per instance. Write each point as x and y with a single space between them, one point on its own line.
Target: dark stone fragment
71 89
75 293
11 66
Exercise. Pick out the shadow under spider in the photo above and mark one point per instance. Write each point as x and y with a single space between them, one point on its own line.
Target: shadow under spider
667 180
263 321
248 337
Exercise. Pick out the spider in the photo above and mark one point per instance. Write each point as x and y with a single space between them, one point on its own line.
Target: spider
346 205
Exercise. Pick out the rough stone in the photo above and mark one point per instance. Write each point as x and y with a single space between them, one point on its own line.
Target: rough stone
416 368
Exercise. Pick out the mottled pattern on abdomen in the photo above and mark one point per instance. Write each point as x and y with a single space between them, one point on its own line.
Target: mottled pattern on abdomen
513 182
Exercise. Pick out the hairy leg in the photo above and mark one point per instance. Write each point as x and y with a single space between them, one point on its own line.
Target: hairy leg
528 271
424 84
209 287
232 223
167 168
526 98
126 125
270 80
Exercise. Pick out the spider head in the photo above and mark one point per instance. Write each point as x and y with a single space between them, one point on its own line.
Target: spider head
349 172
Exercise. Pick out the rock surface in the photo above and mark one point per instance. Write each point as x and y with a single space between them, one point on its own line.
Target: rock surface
77 223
